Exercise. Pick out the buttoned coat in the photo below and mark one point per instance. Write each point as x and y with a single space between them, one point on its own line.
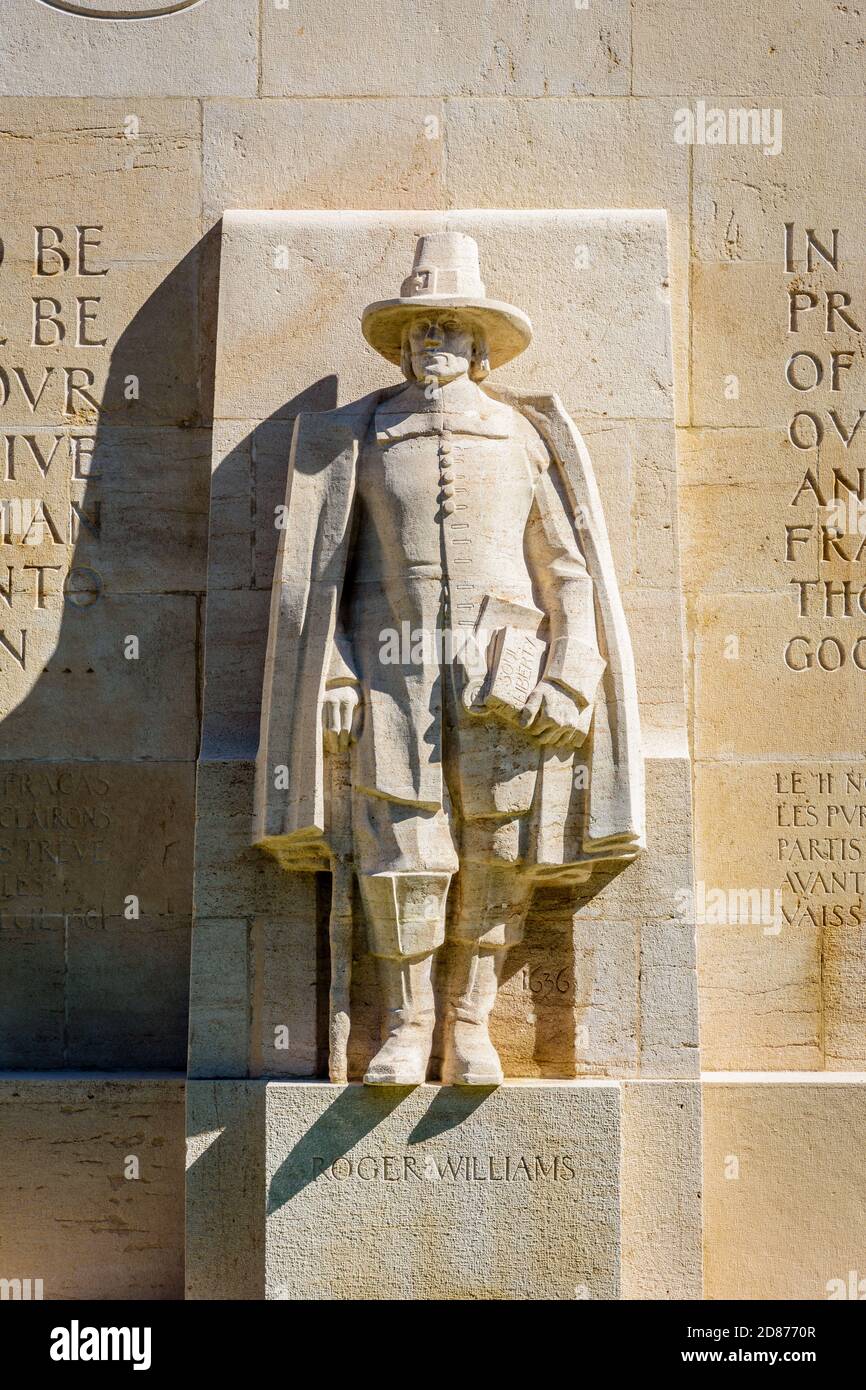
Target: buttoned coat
588 806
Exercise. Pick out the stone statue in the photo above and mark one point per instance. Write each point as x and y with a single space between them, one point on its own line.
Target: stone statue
445 619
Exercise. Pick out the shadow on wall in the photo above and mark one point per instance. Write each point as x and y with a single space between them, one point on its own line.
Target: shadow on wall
101 704
259 944
352 1115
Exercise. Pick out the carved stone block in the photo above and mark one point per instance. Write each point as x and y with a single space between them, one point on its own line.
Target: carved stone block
507 1194
68 1149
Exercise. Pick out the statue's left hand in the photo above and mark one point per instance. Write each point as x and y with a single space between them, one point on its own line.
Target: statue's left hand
552 716
340 717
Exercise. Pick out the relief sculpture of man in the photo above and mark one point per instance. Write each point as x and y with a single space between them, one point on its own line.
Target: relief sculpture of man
445 615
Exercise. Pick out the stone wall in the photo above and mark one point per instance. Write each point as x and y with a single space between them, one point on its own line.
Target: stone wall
124 141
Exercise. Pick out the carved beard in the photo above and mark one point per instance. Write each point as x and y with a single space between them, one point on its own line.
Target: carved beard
478 367
455 367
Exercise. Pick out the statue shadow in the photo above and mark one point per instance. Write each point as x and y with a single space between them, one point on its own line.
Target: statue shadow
355 1112
120 475
124 491
450 1106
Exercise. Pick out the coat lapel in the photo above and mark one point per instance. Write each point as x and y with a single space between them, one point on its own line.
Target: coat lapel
311 563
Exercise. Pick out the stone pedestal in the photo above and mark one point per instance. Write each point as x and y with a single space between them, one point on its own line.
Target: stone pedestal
562 1190
443 1193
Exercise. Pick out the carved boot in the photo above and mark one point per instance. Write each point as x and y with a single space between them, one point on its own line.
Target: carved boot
405 925
410 1011
470 1059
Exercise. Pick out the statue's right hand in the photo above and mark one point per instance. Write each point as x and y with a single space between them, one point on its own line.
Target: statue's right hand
340 717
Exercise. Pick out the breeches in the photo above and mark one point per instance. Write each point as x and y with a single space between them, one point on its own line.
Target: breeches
406 861
407 856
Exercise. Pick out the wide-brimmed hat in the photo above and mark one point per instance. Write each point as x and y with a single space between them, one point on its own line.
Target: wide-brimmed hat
446 275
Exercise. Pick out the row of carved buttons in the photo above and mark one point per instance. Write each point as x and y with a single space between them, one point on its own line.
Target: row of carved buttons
446 477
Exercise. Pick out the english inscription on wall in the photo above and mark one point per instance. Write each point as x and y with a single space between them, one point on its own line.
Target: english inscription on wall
54 354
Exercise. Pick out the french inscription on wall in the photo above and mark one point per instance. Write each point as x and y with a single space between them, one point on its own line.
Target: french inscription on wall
53 821
821 844
73 841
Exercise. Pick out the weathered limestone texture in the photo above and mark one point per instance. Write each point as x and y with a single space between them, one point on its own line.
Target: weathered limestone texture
501 1194
785 1192
225 1189
92 1199
778 50
208 50
502 51
661 1190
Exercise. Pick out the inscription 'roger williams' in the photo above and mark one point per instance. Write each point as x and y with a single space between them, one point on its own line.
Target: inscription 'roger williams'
447 1168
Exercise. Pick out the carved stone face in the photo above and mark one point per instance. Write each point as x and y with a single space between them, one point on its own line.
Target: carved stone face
441 346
